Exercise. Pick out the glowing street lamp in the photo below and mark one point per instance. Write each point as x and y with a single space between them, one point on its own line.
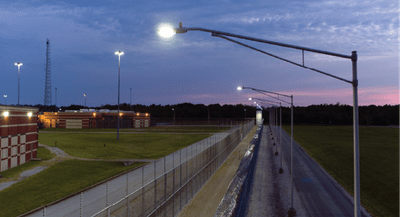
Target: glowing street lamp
19 65
166 32
119 53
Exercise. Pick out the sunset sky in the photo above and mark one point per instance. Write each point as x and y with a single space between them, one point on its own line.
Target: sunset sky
195 67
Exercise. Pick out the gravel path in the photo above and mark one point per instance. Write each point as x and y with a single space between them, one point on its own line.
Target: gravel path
266 194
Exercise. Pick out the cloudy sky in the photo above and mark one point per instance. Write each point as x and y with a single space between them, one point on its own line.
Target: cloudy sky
195 67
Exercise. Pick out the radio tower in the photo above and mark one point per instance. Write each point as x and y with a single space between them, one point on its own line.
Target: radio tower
47 85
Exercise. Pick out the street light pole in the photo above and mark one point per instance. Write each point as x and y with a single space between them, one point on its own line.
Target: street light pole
357 202
5 99
19 65
130 98
280 139
85 98
354 82
174 114
119 53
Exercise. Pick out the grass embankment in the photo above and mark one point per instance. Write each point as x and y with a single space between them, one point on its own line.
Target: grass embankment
130 146
56 182
332 148
157 129
42 153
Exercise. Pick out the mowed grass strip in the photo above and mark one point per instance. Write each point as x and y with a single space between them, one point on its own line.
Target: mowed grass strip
130 146
42 153
161 129
56 182
332 148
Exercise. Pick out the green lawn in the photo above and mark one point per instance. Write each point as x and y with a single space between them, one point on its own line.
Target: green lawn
161 129
332 148
130 146
56 182
42 153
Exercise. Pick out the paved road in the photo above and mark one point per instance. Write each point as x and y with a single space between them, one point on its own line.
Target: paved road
319 193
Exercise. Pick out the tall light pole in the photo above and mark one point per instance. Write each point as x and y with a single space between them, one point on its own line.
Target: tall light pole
353 57
119 53
244 114
130 98
85 98
174 114
5 99
56 98
19 65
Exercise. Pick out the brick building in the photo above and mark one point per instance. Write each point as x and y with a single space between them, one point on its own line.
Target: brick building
89 119
19 136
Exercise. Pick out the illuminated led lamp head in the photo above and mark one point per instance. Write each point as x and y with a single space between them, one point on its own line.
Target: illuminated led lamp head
239 88
30 114
119 53
6 113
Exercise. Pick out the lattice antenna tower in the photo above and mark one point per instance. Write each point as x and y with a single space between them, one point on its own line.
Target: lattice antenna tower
47 85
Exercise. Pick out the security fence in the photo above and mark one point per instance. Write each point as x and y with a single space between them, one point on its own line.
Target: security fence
160 188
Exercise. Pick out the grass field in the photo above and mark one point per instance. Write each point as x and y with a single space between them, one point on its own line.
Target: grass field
55 182
157 129
42 153
130 146
332 148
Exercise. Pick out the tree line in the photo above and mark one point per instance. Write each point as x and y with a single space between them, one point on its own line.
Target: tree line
334 114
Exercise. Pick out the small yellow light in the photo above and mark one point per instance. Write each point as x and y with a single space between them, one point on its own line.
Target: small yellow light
94 114
147 114
120 114
5 114
29 114
137 114
56 113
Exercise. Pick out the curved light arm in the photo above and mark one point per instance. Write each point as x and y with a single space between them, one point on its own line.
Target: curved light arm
184 30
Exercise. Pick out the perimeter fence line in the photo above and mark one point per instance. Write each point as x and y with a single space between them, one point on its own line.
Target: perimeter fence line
160 188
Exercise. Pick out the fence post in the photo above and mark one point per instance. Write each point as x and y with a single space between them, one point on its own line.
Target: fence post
107 194
173 184
127 198
180 181
81 205
187 181
155 188
165 187
143 194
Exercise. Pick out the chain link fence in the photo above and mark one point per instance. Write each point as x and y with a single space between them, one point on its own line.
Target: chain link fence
160 188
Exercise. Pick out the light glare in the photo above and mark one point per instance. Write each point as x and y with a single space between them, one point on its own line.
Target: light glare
166 32
29 114
5 114
239 88
250 98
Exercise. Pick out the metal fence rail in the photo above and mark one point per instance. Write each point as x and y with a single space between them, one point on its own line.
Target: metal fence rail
160 188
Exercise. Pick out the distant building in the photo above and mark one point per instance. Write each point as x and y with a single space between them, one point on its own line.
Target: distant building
18 133
90 119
